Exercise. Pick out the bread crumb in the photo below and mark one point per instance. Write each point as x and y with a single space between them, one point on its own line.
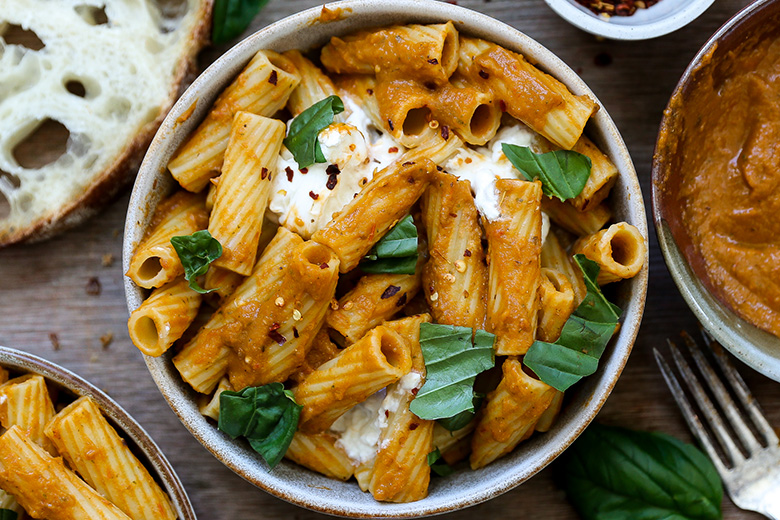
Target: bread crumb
55 340
106 339
108 260
93 286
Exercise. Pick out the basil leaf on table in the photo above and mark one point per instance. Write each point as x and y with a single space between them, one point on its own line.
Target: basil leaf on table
439 466
452 362
196 252
563 172
613 473
396 252
267 416
302 140
583 339
8 514
232 17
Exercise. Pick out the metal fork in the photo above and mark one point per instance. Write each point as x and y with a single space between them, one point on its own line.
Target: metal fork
751 469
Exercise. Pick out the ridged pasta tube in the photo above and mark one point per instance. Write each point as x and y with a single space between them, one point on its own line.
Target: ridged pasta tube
556 304
571 219
25 402
93 448
319 452
619 250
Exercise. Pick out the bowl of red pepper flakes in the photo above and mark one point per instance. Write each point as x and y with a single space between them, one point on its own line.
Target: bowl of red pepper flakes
629 19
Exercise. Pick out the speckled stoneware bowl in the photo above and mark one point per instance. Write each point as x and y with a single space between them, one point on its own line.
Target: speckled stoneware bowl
289 481
755 347
657 20
18 363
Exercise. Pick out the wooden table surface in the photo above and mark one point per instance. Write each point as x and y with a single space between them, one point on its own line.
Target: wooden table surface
47 306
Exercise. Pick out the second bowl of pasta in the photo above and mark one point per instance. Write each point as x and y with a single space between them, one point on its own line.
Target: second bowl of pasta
391 241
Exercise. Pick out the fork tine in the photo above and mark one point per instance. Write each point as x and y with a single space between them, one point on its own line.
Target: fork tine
733 414
741 390
688 412
708 409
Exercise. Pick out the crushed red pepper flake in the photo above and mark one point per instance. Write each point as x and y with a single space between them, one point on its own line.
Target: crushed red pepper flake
445 132
413 426
289 172
616 7
273 78
370 91
391 291
274 335
313 195
324 265
433 61
466 253
263 173
275 326
295 332
392 149
304 170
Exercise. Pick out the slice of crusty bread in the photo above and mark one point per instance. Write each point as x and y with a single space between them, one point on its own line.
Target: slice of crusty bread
106 75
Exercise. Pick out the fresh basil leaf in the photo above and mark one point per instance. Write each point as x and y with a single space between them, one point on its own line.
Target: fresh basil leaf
452 362
563 172
232 17
583 339
439 466
196 253
396 252
595 306
302 139
267 416
7 514
460 420
618 474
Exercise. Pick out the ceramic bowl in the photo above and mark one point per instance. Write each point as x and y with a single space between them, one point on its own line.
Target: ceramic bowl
662 18
72 387
288 481
755 347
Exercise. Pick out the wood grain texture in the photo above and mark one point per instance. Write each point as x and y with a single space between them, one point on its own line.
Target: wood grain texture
43 287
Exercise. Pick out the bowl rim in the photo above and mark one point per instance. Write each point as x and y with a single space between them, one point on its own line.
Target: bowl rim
712 314
589 22
152 170
21 361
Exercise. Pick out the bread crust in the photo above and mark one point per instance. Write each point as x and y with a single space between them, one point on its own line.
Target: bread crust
105 187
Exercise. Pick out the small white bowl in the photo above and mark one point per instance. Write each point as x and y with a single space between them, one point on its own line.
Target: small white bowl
662 18
310 29
74 386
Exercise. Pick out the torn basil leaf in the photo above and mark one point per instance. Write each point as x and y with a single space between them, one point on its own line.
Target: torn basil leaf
267 416
438 465
232 17
452 362
563 172
583 339
613 473
196 252
302 140
396 252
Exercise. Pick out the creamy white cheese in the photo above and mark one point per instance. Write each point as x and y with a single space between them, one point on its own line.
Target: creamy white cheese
360 429
305 200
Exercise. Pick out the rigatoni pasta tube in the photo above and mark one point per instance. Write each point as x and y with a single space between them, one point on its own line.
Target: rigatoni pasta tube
556 304
155 261
401 472
554 256
204 360
375 298
378 206
209 406
223 282
470 112
571 219
269 337
75 499
242 193
25 402
425 52
262 88
93 448
380 358
163 317
405 110
550 415
510 414
514 244
528 94
453 445
318 452
619 250
314 86
455 276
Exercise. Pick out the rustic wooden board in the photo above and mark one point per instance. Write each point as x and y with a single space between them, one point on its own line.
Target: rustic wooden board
44 288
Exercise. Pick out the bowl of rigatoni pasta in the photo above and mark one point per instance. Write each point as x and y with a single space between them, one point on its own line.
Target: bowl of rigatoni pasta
386 259
62 437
